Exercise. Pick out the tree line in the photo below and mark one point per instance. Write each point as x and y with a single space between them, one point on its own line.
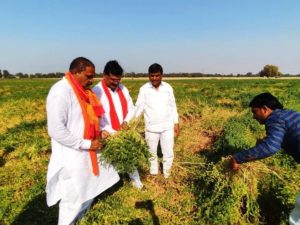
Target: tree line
267 71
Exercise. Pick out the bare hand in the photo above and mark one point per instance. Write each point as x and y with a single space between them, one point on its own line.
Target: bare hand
124 125
233 164
96 145
105 134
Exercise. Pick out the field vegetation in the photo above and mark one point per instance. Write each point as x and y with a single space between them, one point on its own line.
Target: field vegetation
215 121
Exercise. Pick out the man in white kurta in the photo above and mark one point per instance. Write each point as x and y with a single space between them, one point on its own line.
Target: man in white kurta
70 179
111 77
156 100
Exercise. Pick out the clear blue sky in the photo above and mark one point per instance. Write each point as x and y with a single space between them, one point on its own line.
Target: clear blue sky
208 36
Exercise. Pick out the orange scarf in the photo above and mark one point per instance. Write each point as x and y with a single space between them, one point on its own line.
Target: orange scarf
115 123
91 112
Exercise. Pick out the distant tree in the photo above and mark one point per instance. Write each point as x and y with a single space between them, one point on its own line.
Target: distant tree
270 71
19 75
5 74
38 75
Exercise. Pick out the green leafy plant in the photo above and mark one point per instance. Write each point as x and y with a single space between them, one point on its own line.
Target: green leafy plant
226 198
126 150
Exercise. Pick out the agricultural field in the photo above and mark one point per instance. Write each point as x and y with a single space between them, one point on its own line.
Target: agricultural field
215 122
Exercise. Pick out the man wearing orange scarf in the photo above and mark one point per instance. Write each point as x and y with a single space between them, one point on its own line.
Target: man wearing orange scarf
75 177
118 105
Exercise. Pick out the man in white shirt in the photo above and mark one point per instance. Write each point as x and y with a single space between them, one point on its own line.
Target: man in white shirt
117 104
156 100
75 177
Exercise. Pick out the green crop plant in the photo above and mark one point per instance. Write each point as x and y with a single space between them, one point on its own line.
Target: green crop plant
126 150
239 133
226 198
244 197
206 108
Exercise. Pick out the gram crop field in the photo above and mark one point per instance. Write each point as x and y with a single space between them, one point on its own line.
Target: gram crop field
215 121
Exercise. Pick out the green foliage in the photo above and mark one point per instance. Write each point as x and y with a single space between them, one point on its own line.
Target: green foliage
191 109
244 198
225 198
26 135
202 105
126 150
237 136
239 133
270 71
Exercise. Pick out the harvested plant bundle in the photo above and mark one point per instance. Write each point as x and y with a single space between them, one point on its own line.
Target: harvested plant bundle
226 197
126 150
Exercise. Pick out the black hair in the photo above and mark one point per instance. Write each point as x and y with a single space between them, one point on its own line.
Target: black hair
265 99
79 64
114 68
154 68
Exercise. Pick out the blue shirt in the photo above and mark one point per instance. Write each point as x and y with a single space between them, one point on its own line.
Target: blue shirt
283 131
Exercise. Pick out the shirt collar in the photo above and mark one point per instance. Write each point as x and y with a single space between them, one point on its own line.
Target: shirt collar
151 86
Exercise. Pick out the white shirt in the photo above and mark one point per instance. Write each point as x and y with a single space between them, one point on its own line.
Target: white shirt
159 107
70 150
105 123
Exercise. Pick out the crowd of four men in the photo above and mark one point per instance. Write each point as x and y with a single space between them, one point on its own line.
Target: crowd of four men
79 117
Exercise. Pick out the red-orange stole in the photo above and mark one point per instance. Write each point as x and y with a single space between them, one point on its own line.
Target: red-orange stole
115 123
92 110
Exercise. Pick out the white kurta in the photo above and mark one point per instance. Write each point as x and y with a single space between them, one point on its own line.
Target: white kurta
158 106
70 151
105 123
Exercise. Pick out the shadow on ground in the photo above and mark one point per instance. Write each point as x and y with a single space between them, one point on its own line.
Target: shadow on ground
37 212
148 206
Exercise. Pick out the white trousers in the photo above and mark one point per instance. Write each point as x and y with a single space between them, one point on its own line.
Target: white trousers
69 209
135 176
166 139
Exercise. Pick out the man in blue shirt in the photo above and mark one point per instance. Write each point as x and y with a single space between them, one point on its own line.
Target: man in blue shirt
282 127
283 132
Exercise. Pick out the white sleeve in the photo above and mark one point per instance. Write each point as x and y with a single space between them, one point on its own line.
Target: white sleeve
57 117
105 125
140 103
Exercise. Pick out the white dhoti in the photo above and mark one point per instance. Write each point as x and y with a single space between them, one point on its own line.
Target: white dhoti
70 209
76 190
